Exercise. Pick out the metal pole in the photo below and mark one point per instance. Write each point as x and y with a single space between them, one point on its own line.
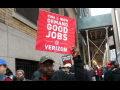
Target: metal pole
107 42
88 49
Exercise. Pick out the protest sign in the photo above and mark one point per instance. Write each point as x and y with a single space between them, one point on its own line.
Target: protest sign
66 59
55 33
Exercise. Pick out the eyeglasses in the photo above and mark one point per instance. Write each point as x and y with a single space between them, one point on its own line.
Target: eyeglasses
46 66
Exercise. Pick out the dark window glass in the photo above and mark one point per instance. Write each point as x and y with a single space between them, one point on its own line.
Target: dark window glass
29 13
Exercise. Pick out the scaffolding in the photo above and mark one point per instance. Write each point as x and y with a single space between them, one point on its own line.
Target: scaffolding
106 54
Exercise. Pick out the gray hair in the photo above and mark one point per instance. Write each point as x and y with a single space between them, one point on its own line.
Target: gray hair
21 71
116 64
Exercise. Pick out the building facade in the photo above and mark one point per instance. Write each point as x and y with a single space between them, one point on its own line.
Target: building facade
115 12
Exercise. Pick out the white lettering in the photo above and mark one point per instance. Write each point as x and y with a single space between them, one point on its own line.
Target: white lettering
58 48
49 47
60 28
59 36
48 20
54 27
53 35
65 37
65 49
53 47
61 49
46 46
51 20
65 30
59 22
49 26
55 22
48 34
63 23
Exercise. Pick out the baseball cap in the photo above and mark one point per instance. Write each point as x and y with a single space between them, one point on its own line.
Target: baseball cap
46 57
2 61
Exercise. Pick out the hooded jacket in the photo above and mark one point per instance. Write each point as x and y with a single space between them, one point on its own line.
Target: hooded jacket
115 74
10 75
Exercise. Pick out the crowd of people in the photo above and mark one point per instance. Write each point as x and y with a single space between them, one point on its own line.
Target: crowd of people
76 72
46 72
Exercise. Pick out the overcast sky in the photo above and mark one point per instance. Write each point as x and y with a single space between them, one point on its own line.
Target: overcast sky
98 11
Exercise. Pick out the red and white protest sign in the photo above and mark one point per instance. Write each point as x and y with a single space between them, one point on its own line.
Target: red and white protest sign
66 59
55 33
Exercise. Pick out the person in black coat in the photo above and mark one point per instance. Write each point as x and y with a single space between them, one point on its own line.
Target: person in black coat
87 74
35 74
115 73
48 74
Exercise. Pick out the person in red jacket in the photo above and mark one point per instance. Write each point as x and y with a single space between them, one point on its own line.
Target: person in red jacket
97 74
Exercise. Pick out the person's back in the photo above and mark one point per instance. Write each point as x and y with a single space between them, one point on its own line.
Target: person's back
105 70
97 74
87 75
106 75
115 73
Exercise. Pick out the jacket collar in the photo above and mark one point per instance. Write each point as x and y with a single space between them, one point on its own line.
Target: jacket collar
48 77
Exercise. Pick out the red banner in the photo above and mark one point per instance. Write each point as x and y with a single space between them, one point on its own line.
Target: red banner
55 33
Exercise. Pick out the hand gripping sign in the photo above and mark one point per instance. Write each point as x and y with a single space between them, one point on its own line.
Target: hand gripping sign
55 33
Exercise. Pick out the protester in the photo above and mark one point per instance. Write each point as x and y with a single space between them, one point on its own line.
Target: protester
36 74
115 73
93 74
112 64
72 69
60 68
97 74
104 71
4 78
67 67
6 71
100 74
87 74
106 75
21 75
48 74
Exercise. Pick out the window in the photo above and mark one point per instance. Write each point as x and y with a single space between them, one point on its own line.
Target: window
66 13
29 13
54 10
28 66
